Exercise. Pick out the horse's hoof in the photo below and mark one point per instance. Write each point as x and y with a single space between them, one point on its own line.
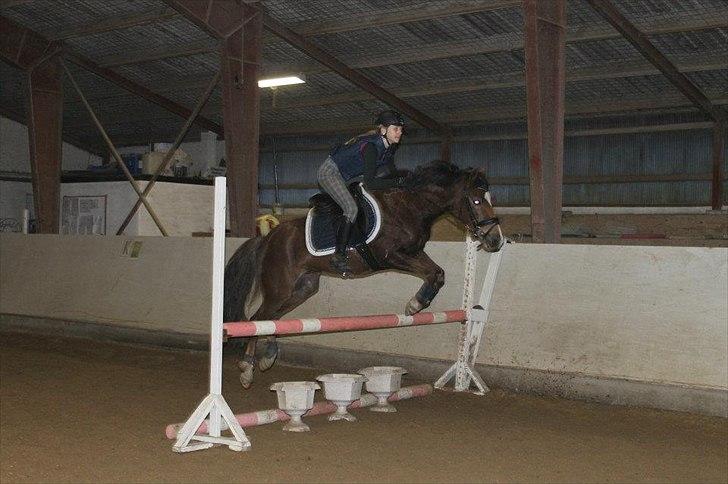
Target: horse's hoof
246 373
265 362
413 307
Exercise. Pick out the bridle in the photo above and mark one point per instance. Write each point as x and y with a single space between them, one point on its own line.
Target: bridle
490 222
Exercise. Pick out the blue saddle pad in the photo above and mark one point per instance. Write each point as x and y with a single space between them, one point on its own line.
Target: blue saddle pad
321 226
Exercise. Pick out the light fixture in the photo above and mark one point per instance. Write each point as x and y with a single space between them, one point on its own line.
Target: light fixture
282 81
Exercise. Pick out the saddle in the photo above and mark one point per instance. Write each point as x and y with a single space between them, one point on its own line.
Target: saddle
325 216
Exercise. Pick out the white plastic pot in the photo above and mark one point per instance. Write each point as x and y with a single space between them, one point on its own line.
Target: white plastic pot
382 381
341 389
295 398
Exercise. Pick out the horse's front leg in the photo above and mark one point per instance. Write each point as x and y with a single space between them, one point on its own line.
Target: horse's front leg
422 266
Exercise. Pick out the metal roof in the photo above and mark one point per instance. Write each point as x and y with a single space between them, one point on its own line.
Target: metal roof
462 66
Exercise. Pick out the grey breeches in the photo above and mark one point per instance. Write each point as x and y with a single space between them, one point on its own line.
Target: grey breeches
330 179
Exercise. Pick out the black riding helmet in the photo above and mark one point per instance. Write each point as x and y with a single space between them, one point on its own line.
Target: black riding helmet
389 118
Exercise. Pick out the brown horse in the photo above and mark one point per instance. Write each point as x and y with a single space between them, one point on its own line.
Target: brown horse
292 274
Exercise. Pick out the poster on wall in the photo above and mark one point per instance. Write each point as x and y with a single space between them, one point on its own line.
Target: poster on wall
83 215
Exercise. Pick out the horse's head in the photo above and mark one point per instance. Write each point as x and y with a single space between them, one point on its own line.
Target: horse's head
464 193
473 206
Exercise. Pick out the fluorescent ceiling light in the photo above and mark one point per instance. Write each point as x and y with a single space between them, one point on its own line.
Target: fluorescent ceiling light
281 81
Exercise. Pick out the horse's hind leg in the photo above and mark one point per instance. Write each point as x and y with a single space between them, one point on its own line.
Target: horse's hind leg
247 364
306 286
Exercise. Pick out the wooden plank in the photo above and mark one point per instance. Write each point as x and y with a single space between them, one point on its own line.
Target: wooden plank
639 41
241 114
568 180
544 33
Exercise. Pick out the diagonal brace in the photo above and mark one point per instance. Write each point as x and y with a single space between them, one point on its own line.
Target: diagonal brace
114 151
168 157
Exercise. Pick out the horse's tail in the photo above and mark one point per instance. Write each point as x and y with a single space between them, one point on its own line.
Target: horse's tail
241 277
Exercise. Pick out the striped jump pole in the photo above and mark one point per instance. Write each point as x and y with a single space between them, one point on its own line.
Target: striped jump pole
345 323
263 417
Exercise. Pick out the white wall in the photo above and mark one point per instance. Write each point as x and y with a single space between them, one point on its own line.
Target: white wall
650 314
204 153
182 208
120 198
13 199
15 155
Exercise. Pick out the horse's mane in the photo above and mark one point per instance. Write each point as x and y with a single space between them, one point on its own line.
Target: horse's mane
444 174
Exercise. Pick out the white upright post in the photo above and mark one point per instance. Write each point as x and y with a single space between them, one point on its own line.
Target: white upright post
214 404
470 335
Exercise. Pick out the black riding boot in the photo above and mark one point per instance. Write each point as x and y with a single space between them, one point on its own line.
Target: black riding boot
340 259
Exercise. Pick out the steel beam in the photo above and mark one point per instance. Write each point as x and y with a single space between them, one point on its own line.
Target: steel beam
545 33
240 61
716 188
45 120
643 45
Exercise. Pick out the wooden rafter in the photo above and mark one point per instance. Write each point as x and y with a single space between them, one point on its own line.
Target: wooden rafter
639 41
218 21
114 23
94 149
501 112
412 13
20 45
507 80
142 91
512 41
195 48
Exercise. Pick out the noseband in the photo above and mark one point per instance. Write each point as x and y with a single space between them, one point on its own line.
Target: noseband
479 224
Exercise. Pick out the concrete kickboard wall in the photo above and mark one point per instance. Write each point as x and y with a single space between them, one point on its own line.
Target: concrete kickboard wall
654 314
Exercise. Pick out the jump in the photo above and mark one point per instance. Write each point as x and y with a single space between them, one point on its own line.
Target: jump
292 272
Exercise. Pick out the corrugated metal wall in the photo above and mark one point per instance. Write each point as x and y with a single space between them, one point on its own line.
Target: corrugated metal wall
657 153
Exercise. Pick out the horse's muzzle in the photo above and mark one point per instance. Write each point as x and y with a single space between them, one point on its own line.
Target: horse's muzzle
492 239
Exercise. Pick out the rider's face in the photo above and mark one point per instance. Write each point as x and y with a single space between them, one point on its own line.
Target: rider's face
392 133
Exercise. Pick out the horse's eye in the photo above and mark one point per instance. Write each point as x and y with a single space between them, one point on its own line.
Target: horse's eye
476 202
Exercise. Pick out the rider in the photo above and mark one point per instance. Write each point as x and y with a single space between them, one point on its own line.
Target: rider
371 155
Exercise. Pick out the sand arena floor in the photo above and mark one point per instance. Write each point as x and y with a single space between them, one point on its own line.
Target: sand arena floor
75 410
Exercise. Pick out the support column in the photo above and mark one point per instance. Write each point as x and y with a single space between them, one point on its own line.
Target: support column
240 62
716 191
45 118
545 31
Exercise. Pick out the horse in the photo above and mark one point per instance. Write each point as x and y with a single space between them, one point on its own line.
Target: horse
292 273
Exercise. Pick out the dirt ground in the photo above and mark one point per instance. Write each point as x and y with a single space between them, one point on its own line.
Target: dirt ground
76 410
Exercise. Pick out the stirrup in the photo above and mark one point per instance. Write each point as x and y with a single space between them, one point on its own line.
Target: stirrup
340 264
